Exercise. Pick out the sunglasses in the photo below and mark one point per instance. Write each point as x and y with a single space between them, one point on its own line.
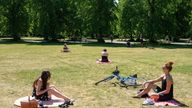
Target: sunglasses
163 67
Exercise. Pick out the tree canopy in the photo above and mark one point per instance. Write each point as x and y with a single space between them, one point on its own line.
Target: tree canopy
54 19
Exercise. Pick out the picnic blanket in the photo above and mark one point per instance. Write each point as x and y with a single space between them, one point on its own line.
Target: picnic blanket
173 103
99 62
54 102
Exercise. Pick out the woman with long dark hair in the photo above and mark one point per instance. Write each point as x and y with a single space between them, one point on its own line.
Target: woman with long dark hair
42 90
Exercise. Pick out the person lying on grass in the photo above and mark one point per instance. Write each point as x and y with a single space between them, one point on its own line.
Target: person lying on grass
104 56
42 90
161 94
65 48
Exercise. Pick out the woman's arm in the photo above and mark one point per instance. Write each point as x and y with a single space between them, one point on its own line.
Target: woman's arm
156 80
38 89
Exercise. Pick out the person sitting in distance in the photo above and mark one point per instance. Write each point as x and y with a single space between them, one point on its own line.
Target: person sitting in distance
65 48
104 56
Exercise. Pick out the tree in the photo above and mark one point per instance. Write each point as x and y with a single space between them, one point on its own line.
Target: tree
16 18
182 15
132 17
102 17
2 18
161 20
151 19
74 21
52 15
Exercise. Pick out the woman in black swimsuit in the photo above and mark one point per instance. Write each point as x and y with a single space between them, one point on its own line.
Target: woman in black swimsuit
166 91
42 90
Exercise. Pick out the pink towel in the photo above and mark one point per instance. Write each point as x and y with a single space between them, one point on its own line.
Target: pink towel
168 103
99 62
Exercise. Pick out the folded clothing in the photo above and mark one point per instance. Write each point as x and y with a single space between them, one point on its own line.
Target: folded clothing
100 62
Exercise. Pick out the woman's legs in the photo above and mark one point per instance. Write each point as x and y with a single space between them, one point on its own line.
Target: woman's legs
54 91
147 88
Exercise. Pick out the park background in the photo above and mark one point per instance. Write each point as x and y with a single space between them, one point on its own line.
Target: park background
32 33
76 19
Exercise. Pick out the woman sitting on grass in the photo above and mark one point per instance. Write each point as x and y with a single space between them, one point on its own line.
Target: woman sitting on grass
104 56
65 48
42 90
161 94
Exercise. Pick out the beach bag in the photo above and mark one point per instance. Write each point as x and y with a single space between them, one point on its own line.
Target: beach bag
29 103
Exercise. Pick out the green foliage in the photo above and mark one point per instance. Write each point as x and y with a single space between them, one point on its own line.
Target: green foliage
74 21
2 21
132 17
51 16
53 19
155 19
183 13
102 17
190 24
16 18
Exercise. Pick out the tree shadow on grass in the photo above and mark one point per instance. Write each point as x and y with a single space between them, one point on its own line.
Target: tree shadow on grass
31 42
149 46
94 44
170 46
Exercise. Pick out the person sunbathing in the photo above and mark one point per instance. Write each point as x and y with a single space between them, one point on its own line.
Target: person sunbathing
42 90
165 92
104 56
65 48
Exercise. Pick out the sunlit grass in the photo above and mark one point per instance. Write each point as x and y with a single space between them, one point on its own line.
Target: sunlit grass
75 73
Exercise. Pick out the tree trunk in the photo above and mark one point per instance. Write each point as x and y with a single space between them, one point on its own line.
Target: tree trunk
46 37
100 38
152 37
16 37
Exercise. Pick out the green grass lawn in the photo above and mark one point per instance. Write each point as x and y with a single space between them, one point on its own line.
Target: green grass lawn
75 73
